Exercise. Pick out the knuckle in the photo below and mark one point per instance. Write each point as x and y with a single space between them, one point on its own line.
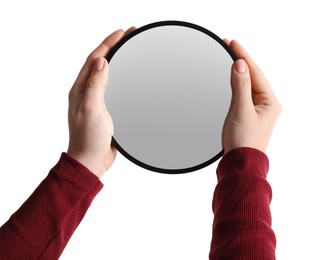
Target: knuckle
91 57
86 108
89 107
276 106
279 107
92 82
244 82
258 72
70 94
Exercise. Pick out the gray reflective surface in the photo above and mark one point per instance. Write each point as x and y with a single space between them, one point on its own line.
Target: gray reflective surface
168 94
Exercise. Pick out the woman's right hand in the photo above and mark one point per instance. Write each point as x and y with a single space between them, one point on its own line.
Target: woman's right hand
254 108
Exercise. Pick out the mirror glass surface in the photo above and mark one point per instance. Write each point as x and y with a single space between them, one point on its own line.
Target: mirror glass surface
168 94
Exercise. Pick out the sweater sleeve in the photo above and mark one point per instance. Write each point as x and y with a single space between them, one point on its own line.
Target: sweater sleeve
42 226
241 206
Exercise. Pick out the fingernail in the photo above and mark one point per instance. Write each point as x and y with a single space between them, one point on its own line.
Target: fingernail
99 64
240 66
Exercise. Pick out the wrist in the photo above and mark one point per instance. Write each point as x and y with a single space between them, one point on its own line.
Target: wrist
93 165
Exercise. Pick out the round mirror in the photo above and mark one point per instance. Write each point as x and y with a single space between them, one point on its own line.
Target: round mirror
168 94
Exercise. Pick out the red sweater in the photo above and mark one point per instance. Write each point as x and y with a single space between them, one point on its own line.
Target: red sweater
42 226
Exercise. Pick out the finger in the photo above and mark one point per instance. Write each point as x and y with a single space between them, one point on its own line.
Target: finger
260 84
241 86
130 30
107 44
94 94
226 41
101 51
78 89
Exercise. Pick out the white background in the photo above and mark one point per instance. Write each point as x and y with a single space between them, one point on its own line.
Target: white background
141 214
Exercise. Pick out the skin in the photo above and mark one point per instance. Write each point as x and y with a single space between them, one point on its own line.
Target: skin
250 121
254 108
90 124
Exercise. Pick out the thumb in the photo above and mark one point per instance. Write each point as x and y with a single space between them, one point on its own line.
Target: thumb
97 82
241 86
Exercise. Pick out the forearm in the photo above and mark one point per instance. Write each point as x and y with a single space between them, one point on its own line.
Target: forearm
42 226
242 217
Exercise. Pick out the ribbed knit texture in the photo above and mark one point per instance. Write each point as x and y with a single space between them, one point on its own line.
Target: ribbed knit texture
42 226
242 217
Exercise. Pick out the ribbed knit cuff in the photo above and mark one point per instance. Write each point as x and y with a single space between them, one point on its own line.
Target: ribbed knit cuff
247 160
76 172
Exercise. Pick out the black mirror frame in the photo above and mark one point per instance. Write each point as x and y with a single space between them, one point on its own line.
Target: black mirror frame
123 41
